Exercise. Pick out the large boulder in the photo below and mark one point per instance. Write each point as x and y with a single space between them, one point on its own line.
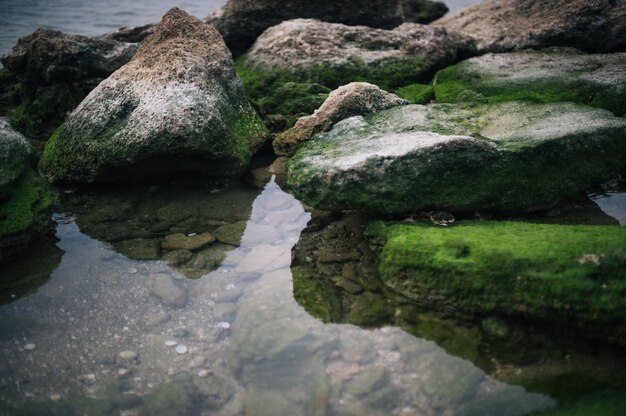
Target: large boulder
458 158
334 54
242 21
544 76
25 198
56 71
354 99
506 25
178 105
570 275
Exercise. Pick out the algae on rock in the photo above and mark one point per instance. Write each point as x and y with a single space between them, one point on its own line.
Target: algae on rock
178 105
459 158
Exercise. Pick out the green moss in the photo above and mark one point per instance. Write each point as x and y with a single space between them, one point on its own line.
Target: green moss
28 206
452 84
318 298
533 270
609 403
423 11
417 93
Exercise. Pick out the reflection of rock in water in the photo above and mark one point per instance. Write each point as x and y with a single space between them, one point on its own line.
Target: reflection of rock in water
189 225
30 270
335 280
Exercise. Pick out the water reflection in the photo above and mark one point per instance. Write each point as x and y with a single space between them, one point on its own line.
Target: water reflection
109 334
611 198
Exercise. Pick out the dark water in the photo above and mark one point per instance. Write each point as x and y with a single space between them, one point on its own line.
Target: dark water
21 17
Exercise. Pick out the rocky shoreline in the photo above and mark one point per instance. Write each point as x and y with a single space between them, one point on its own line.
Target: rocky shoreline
493 110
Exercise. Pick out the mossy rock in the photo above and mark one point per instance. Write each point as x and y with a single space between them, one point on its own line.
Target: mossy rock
11 92
545 76
459 158
417 93
564 273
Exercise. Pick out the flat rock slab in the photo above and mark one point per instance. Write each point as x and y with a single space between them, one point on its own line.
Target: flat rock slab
459 158
334 54
178 105
183 242
506 25
550 75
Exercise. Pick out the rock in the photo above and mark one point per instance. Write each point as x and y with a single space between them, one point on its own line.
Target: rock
459 158
56 71
128 355
183 242
169 293
197 362
25 198
181 349
176 106
178 257
549 75
241 21
354 99
231 233
333 54
29 347
139 248
171 343
512 268
505 25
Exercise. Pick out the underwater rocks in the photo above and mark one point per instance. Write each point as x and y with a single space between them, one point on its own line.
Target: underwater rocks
241 21
25 198
567 273
459 158
549 75
356 98
178 105
505 25
333 54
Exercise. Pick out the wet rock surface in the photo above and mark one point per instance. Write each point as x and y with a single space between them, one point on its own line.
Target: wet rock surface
510 157
178 105
334 54
505 25
357 98
550 75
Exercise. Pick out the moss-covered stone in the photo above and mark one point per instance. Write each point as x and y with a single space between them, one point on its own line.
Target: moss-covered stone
417 93
608 403
10 92
538 76
548 272
459 158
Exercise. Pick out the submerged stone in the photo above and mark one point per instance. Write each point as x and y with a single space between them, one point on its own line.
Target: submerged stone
545 76
166 290
505 25
181 241
333 54
566 274
459 158
356 98
178 105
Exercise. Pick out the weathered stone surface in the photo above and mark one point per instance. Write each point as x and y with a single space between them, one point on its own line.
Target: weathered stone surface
241 21
505 25
510 157
357 98
334 54
549 75
178 105
181 241
25 198
166 290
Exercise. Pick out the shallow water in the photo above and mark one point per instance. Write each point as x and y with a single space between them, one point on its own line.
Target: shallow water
91 323
21 17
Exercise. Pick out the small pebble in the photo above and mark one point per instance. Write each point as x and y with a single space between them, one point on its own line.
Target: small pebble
128 355
223 325
181 349
90 378
171 343
55 397
131 270
203 373
122 372
29 347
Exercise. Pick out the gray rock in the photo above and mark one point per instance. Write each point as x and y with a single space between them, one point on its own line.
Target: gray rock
166 290
549 75
507 157
231 233
178 105
16 156
242 21
506 25
354 99
332 53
